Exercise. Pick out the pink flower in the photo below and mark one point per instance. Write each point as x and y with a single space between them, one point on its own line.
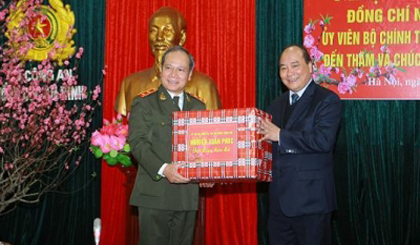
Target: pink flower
309 41
96 92
316 53
3 14
52 54
43 17
57 45
79 53
80 122
375 71
96 138
343 88
347 84
309 28
385 49
117 143
122 131
109 129
391 69
351 80
325 70
119 117
105 144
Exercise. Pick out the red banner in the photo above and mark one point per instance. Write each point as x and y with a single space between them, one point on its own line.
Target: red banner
365 49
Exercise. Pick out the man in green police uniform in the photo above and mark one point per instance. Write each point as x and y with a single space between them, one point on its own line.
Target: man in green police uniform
167 203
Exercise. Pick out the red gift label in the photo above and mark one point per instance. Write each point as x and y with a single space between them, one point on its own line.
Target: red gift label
211 142
221 145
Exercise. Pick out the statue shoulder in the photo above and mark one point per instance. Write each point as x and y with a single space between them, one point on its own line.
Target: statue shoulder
199 77
147 92
142 76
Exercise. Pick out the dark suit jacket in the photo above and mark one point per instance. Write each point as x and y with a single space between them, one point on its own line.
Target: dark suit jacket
303 181
150 138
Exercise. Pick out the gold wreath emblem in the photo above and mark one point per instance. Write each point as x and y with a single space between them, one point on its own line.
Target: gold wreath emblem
52 24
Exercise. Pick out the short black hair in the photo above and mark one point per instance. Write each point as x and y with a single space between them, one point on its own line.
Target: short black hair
305 52
182 49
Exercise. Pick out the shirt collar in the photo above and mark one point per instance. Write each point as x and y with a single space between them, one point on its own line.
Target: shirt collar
299 93
181 98
181 95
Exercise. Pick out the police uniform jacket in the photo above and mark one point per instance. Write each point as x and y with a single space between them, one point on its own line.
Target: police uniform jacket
150 138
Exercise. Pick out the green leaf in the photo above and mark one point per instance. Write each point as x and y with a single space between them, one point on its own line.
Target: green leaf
327 19
98 152
127 164
112 161
106 156
124 160
127 148
113 153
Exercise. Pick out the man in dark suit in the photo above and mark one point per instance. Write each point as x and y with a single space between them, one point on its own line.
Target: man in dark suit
166 201
303 132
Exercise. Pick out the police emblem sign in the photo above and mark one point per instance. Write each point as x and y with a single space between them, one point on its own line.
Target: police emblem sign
52 26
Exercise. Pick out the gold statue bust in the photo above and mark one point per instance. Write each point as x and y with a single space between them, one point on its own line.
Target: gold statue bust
167 28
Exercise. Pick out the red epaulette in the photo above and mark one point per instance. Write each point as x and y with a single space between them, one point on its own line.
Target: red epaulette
147 92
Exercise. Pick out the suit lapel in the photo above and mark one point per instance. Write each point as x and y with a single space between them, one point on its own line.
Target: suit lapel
302 104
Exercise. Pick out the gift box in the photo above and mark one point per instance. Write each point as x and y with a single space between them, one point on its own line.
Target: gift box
221 145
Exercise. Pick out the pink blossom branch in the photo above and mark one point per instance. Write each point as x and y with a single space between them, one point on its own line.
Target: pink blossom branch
42 133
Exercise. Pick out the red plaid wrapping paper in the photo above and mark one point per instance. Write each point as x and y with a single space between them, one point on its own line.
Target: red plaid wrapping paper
252 158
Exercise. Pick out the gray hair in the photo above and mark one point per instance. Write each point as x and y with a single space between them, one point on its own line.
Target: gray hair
182 49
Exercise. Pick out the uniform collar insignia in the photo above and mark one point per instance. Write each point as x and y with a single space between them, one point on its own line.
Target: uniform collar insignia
162 96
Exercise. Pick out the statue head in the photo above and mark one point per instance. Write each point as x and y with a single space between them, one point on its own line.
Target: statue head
167 28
